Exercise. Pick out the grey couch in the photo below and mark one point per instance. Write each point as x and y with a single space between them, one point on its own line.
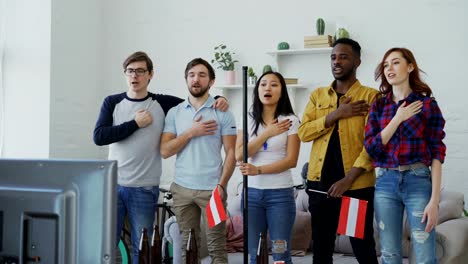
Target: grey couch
452 228
451 231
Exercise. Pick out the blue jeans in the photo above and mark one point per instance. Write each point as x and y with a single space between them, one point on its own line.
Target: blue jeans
139 204
275 210
396 191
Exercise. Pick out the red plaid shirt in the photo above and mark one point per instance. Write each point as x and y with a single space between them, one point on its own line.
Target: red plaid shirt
418 139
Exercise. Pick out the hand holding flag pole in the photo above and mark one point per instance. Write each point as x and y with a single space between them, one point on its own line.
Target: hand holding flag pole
215 212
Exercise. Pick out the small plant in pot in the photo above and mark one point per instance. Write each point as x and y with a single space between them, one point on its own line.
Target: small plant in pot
223 59
267 68
252 76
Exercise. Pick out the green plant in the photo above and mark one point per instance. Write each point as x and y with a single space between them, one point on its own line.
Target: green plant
223 58
283 45
341 33
267 68
465 212
320 25
251 73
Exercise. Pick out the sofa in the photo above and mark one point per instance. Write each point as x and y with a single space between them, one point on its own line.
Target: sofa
451 233
452 228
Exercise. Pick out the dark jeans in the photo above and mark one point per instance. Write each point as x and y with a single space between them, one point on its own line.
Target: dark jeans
139 204
325 215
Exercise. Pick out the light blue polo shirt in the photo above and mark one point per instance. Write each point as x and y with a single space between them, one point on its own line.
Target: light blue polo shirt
199 164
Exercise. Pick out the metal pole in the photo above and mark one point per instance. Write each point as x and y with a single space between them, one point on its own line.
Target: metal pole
245 157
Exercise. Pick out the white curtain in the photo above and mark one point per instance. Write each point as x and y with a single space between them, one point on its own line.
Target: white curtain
3 14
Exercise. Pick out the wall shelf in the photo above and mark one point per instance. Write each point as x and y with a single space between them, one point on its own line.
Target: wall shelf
234 91
300 51
280 55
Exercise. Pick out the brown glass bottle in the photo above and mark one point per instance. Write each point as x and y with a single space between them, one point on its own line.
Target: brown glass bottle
155 251
191 255
262 252
143 249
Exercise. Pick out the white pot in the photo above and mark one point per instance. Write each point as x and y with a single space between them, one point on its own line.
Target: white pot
252 80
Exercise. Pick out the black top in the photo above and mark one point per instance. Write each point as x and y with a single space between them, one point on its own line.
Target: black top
333 169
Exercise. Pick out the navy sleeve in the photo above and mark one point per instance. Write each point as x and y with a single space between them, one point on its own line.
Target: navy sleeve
167 101
104 132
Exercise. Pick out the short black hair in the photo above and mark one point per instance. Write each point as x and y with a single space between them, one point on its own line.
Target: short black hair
347 41
197 61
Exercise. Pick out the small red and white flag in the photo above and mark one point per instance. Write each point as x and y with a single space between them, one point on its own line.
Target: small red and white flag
352 217
215 212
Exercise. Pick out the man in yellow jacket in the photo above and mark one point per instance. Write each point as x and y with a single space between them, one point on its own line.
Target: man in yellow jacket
334 119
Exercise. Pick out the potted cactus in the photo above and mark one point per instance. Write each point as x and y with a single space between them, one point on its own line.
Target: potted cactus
341 33
320 26
283 45
267 68
225 61
252 76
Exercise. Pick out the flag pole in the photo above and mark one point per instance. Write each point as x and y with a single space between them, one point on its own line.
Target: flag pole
317 191
245 140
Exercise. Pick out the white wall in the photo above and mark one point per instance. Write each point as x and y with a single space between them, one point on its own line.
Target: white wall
26 79
53 78
75 60
173 32
77 73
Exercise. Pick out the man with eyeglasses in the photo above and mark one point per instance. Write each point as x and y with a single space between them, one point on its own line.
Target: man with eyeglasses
131 124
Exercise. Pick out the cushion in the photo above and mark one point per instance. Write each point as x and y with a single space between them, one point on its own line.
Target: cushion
450 206
234 234
302 234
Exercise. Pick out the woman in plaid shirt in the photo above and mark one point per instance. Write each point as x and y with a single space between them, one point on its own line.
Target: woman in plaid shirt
404 136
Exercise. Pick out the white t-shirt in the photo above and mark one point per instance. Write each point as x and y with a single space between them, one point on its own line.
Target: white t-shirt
273 150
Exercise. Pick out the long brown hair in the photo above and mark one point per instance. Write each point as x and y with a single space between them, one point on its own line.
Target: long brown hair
415 82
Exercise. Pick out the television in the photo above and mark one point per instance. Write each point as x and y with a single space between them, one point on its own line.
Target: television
57 211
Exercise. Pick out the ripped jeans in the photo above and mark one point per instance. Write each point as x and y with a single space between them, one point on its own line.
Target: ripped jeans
275 210
397 191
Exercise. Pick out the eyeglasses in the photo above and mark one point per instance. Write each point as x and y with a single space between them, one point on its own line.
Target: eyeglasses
138 72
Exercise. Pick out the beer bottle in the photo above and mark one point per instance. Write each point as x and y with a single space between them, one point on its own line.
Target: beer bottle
262 250
143 250
191 256
156 255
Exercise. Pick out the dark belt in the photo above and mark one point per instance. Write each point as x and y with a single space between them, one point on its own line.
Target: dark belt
417 165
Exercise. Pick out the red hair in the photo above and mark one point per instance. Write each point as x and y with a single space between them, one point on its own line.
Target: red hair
415 82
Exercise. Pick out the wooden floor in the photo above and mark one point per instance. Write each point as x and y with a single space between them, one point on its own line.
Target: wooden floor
237 258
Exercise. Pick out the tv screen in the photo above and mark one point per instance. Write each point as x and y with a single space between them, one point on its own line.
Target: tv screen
57 211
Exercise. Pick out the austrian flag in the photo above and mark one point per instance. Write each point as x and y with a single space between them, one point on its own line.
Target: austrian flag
215 212
352 217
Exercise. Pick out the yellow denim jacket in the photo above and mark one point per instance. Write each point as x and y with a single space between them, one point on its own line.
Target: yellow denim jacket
322 101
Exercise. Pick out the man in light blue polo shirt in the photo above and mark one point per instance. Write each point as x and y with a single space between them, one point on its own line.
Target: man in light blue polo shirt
195 131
